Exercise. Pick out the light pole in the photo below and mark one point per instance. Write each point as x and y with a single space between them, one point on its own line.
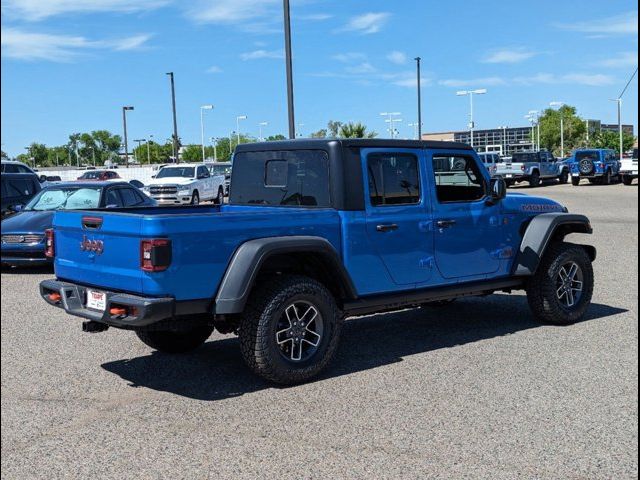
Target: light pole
504 139
289 67
238 118
536 114
418 59
416 130
390 120
471 93
175 118
93 155
260 125
532 119
560 105
392 127
619 102
300 125
149 149
124 124
135 153
230 143
214 141
202 109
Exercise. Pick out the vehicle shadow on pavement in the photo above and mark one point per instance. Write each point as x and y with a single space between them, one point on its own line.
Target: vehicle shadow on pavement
216 370
37 270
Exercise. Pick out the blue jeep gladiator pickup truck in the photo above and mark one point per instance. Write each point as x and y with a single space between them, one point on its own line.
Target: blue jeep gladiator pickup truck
316 231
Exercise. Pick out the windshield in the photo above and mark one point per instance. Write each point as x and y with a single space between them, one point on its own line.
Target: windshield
220 169
593 156
92 175
65 199
180 172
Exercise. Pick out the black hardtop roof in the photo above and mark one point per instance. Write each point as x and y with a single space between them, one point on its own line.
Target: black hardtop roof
322 143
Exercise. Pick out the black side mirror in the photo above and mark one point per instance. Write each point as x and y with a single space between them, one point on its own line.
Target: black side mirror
498 189
17 208
42 178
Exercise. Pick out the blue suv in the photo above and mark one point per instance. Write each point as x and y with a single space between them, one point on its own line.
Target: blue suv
600 166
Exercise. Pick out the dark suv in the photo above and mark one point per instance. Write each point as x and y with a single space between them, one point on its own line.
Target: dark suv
18 189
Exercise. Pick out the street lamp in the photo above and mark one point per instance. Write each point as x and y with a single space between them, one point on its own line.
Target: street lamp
471 93
300 125
214 141
619 102
560 105
532 119
124 123
392 128
175 119
416 129
202 109
390 120
260 125
536 114
504 139
289 68
419 77
148 149
238 118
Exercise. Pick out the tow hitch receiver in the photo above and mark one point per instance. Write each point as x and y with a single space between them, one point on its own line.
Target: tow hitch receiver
94 327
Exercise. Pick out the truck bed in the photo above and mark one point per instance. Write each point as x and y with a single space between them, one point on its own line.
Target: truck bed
203 238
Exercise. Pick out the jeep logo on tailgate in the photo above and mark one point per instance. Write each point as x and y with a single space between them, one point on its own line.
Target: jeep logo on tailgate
87 245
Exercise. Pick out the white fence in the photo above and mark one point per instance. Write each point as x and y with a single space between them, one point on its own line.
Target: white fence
141 173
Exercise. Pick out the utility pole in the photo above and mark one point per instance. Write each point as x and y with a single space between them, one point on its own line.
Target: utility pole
175 119
202 109
619 102
289 67
471 93
149 149
417 59
126 145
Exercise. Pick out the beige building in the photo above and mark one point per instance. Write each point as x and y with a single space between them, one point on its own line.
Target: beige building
442 137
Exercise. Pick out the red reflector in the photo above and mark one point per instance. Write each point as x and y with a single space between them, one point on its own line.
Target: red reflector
155 254
49 249
119 311
55 297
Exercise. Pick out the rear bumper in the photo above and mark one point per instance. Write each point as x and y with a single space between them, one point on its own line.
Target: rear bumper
141 311
173 200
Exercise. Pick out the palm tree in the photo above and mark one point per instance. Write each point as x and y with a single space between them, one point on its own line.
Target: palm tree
355 130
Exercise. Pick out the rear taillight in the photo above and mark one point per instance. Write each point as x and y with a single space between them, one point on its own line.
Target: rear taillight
523 168
49 246
155 254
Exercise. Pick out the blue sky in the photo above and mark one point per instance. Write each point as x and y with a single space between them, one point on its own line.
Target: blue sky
69 65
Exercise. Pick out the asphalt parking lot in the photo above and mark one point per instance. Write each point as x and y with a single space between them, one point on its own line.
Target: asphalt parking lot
474 390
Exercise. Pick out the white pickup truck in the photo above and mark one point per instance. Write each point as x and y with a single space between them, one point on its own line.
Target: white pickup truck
185 184
629 168
532 167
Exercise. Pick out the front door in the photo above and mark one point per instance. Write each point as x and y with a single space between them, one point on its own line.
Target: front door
467 229
397 213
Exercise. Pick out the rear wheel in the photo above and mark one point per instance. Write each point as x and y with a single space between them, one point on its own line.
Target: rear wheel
168 341
195 199
564 177
560 291
608 178
627 180
575 181
535 181
290 329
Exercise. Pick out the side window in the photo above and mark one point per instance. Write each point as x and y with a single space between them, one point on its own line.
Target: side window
10 168
23 169
113 198
203 172
130 197
457 179
394 179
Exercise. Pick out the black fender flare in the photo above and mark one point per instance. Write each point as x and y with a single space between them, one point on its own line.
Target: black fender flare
248 259
539 233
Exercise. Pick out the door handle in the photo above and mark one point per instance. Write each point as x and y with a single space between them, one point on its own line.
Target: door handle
445 223
387 228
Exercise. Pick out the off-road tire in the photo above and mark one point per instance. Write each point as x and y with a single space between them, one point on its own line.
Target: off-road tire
608 178
575 181
534 180
258 328
195 198
627 180
541 290
564 177
168 341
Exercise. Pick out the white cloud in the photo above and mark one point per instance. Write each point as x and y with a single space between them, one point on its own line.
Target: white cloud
591 80
260 54
214 69
34 10
509 56
25 45
314 17
474 82
349 57
231 11
622 60
367 23
361 69
624 24
399 58
412 82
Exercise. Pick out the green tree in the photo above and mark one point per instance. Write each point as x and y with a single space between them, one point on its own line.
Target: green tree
38 154
333 128
609 139
192 153
4 155
275 138
574 129
355 130
322 133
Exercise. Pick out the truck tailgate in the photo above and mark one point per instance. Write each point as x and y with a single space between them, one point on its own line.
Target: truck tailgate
100 246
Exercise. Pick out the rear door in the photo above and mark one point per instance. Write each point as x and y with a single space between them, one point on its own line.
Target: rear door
397 213
467 229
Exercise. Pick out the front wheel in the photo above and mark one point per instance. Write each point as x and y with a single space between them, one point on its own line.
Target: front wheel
290 329
168 341
564 177
195 199
560 292
608 178
575 181
627 180
220 197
